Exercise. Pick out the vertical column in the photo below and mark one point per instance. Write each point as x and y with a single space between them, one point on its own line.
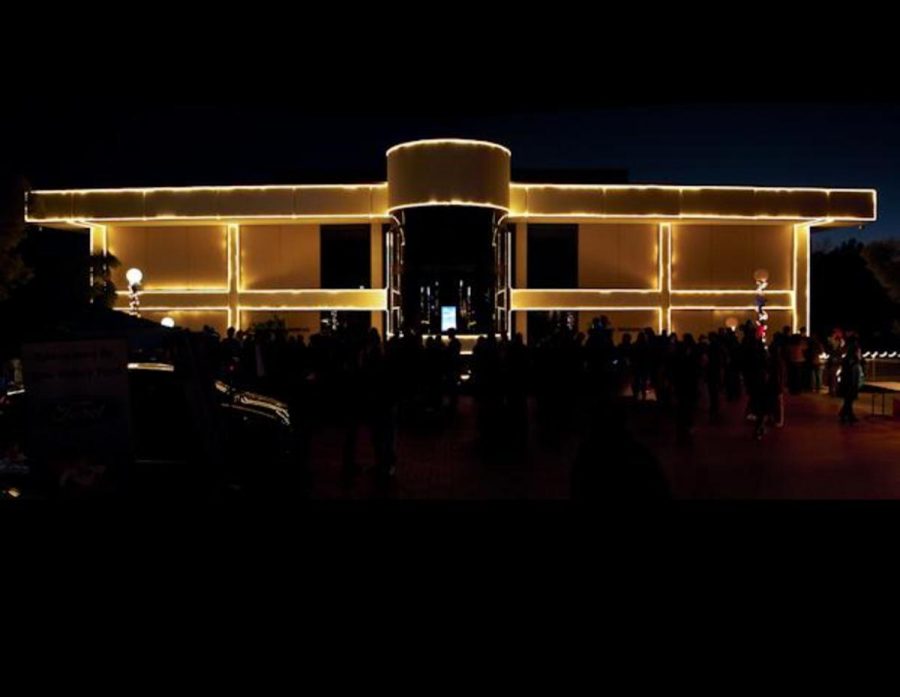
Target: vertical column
665 275
801 277
376 255
520 276
234 274
97 241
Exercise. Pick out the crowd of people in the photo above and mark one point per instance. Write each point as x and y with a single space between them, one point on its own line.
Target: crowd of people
576 378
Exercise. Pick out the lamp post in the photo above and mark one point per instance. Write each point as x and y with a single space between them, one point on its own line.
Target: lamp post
134 278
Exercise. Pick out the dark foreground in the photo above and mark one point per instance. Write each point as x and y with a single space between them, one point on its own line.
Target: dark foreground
812 456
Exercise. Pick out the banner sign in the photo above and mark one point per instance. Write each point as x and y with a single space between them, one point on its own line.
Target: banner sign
78 412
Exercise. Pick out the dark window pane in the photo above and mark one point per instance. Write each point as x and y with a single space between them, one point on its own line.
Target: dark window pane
345 256
552 256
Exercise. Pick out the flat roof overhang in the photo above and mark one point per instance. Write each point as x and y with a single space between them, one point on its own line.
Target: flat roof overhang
369 202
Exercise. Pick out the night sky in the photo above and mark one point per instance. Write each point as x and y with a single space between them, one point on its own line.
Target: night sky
846 144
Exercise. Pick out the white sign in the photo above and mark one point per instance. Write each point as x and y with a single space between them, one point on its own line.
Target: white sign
448 318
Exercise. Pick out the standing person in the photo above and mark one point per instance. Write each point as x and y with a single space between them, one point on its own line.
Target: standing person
851 379
755 379
715 370
835 352
517 395
639 367
814 363
378 387
732 365
453 353
776 374
686 377
796 356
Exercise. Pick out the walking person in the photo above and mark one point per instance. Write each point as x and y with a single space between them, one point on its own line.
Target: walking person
850 381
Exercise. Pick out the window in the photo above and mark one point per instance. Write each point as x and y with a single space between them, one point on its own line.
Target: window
345 256
552 256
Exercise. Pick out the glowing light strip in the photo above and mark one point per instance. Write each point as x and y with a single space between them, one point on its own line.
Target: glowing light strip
794 277
730 307
659 258
162 367
219 217
446 141
451 202
179 291
235 274
729 292
310 291
309 308
669 278
212 189
513 185
604 308
691 187
516 216
807 301
589 290
172 308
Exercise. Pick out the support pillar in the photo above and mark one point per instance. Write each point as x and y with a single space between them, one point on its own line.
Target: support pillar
801 273
665 275
234 274
376 254
520 276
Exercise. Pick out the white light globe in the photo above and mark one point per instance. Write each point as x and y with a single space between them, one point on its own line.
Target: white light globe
134 276
168 322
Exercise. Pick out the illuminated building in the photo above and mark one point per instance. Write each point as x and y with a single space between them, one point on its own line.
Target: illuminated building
676 257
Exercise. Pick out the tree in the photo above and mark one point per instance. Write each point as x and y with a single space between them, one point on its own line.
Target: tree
883 258
846 294
13 270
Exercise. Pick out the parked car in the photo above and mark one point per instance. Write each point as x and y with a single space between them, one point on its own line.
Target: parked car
186 444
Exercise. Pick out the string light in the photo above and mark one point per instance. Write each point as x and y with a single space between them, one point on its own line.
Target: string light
533 202
761 276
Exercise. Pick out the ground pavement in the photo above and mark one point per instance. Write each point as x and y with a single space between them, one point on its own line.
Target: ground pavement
813 456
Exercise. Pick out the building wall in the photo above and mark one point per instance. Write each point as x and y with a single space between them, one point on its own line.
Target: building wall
235 275
171 256
279 257
618 255
219 274
711 257
710 277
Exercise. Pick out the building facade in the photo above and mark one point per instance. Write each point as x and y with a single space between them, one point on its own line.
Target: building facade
449 240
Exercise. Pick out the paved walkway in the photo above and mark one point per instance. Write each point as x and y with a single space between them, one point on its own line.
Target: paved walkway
813 456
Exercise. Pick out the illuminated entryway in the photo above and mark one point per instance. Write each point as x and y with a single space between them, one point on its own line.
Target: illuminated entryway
450 273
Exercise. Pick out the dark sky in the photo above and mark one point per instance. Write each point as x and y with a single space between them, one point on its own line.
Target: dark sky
846 144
